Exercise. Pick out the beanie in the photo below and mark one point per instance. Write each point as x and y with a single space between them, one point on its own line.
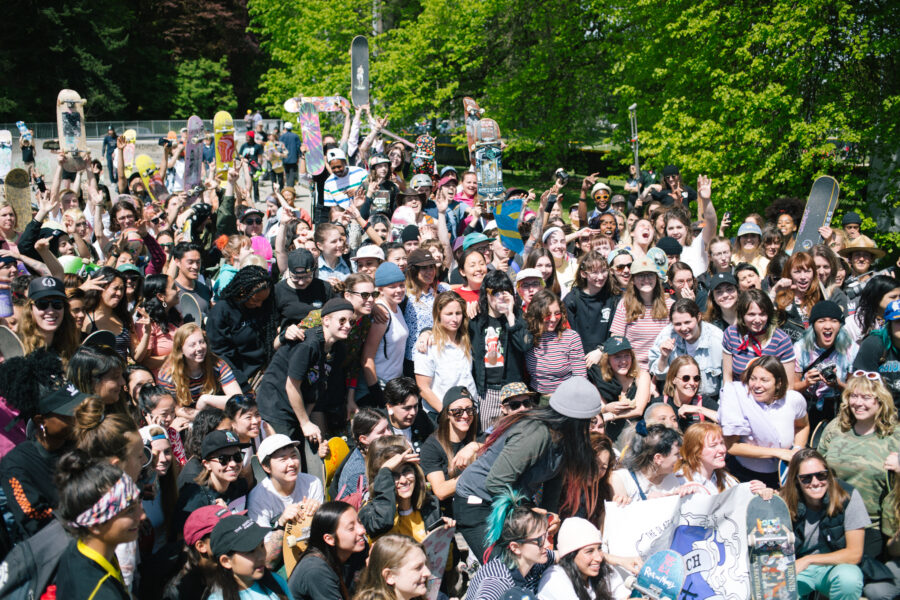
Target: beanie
410 233
576 398
574 534
670 246
335 305
826 309
388 273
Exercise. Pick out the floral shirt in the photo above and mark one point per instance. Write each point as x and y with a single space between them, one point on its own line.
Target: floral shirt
418 315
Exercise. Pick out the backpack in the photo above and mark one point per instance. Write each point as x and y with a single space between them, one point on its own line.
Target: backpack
31 565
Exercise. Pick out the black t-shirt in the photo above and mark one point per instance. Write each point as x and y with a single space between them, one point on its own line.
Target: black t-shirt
252 153
27 472
685 422
293 305
28 154
494 355
322 379
872 356
82 577
313 579
432 459
193 495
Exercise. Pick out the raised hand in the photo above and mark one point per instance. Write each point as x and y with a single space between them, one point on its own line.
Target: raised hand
589 182
704 187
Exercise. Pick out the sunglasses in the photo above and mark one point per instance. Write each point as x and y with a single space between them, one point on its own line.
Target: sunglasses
225 459
870 375
553 315
168 245
517 404
694 378
807 478
253 221
156 220
540 540
458 412
366 295
404 471
620 268
45 304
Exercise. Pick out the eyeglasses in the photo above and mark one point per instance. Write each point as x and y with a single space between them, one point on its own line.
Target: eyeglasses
225 459
808 477
540 540
343 321
553 315
253 221
496 294
694 378
458 412
517 404
169 246
366 295
870 375
620 268
45 304
529 285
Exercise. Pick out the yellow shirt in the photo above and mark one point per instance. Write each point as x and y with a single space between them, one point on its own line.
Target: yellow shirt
410 524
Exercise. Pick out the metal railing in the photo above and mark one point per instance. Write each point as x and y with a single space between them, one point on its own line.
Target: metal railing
144 129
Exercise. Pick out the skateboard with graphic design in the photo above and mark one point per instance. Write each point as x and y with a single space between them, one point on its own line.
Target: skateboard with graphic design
294 542
472 113
823 200
359 70
5 152
322 103
23 131
770 537
130 136
423 158
223 126
489 162
312 138
18 194
193 157
661 577
437 546
145 168
70 125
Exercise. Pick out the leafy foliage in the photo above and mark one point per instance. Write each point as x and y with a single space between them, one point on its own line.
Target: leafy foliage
202 88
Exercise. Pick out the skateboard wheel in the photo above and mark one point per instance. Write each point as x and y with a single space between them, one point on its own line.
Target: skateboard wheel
630 581
292 541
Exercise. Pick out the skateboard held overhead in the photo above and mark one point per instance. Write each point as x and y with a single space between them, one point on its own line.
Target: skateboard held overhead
5 152
18 194
423 159
661 577
193 157
489 163
773 573
23 131
70 124
312 138
322 103
223 125
823 199
359 70
472 112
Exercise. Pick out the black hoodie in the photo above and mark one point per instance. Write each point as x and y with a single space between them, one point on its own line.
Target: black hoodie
591 316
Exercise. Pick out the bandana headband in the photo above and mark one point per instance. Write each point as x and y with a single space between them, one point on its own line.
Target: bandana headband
116 499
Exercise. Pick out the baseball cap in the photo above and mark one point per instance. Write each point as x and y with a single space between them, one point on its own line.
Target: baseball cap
288 125
528 274
236 533
473 239
63 401
617 252
448 169
216 440
201 522
457 392
747 228
378 159
721 278
301 260
250 212
615 344
336 154
617 199
273 444
369 251
892 312
421 258
46 287
517 388
447 179
643 265
251 135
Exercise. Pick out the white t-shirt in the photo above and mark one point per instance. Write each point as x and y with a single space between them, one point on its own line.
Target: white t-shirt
623 476
266 505
695 256
447 368
556 585
711 485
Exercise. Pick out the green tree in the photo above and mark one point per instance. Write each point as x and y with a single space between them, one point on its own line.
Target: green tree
203 87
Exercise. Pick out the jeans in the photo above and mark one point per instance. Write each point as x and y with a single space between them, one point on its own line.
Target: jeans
837 582
110 169
290 174
885 590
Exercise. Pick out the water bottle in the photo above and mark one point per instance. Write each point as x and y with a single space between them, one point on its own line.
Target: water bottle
6 305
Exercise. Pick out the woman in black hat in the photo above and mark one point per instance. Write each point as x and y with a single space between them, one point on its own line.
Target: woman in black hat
46 321
236 542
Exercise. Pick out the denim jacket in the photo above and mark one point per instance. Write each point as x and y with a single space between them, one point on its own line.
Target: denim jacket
708 356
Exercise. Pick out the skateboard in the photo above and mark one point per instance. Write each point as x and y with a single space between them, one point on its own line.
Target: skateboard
399 138
770 537
488 162
10 344
189 309
661 577
816 436
437 547
70 123
273 155
23 131
294 543
322 103
823 199
312 137
423 159
5 152
145 167
338 452
472 113
359 70
130 136
18 194
223 125
193 156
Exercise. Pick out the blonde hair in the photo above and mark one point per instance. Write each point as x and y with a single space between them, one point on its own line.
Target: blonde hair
885 419
388 552
5 204
175 364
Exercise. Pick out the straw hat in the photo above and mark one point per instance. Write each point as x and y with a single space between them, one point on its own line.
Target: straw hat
862 244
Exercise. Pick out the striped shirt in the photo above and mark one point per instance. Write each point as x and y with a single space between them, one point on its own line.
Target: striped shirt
339 190
223 375
642 332
554 360
494 579
742 349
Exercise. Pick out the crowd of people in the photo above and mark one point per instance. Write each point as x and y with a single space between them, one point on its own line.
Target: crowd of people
187 356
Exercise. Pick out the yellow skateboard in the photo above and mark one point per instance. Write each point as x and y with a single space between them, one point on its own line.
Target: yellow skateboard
223 125
145 168
70 124
338 451
130 136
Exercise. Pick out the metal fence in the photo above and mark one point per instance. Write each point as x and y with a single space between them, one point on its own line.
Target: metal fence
144 129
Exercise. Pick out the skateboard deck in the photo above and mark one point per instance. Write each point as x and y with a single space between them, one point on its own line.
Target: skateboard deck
100 338
23 131
322 103
273 155
437 547
130 136
5 152
399 138
359 70
823 199
18 194
223 125
70 123
189 309
294 543
145 167
816 436
338 452
472 113
193 156
488 162
423 159
661 577
10 344
770 538
312 137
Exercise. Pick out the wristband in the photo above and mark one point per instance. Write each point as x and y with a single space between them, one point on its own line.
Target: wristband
282 337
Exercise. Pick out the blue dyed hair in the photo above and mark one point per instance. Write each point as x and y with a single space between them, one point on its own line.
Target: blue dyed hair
512 519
